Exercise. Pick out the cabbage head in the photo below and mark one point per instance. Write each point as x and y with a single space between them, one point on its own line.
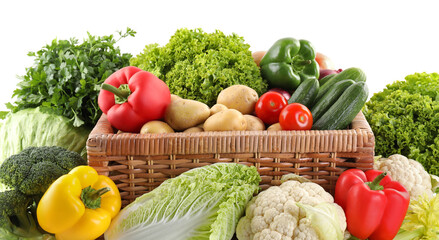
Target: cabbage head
203 203
33 128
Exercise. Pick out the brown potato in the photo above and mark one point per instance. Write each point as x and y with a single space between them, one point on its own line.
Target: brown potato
156 127
257 56
182 114
217 108
194 129
254 123
274 127
226 120
175 97
239 97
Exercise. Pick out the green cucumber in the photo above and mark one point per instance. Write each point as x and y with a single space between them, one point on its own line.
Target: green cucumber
344 110
353 73
326 78
306 92
330 97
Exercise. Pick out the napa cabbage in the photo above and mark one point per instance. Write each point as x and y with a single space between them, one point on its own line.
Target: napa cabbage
203 203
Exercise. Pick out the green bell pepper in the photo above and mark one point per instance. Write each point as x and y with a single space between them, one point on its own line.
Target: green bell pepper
288 63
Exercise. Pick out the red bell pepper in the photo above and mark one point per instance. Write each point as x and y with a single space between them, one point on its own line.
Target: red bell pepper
131 97
375 206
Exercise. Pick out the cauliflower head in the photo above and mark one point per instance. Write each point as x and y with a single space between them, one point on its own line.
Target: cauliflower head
275 213
408 172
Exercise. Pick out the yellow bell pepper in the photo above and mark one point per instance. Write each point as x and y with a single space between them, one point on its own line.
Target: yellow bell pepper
79 205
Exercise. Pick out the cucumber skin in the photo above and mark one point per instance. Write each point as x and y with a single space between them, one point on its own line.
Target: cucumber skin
326 78
306 92
344 110
353 73
323 104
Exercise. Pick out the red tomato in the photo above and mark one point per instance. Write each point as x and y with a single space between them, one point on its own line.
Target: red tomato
269 106
295 116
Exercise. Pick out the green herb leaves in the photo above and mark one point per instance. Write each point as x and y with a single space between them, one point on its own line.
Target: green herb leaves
67 75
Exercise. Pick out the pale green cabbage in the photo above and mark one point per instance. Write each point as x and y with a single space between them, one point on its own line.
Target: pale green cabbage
421 221
203 203
31 127
326 219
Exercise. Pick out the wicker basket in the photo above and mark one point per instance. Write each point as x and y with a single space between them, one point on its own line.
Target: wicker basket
138 163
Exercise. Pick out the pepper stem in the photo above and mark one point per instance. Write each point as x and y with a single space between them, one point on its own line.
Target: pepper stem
121 93
375 184
303 62
92 197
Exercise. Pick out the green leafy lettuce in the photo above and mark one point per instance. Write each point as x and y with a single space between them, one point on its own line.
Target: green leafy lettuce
422 219
203 203
67 75
33 128
404 118
198 65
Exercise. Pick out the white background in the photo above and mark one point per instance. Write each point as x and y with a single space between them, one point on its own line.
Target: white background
387 39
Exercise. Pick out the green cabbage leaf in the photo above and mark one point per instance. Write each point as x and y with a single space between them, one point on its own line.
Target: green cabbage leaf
203 203
327 219
34 128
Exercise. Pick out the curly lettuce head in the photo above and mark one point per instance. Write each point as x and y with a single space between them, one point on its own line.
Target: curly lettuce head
404 118
198 65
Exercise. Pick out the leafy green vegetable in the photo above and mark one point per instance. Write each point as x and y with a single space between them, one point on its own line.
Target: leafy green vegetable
325 218
33 170
434 183
421 220
404 118
3 114
67 76
203 203
31 127
198 65
18 220
26 177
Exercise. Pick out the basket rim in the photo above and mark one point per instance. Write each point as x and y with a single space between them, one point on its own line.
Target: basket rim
103 141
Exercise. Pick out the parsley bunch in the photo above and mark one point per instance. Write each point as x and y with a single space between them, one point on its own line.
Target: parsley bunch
67 75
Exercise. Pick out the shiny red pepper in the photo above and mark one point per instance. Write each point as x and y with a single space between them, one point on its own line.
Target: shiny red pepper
375 206
131 97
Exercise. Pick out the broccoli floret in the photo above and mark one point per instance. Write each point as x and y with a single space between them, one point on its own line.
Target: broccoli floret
33 170
18 217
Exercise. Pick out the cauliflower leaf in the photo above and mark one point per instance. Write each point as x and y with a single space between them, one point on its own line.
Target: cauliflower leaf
275 213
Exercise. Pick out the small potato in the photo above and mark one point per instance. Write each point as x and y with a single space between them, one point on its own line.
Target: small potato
175 97
217 108
226 120
194 129
201 125
254 123
274 127
156 127
182 114
257 56
239 97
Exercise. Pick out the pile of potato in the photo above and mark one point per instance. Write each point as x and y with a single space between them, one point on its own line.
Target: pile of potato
232 112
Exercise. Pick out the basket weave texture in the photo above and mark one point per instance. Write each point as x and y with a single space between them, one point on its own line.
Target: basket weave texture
138 163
